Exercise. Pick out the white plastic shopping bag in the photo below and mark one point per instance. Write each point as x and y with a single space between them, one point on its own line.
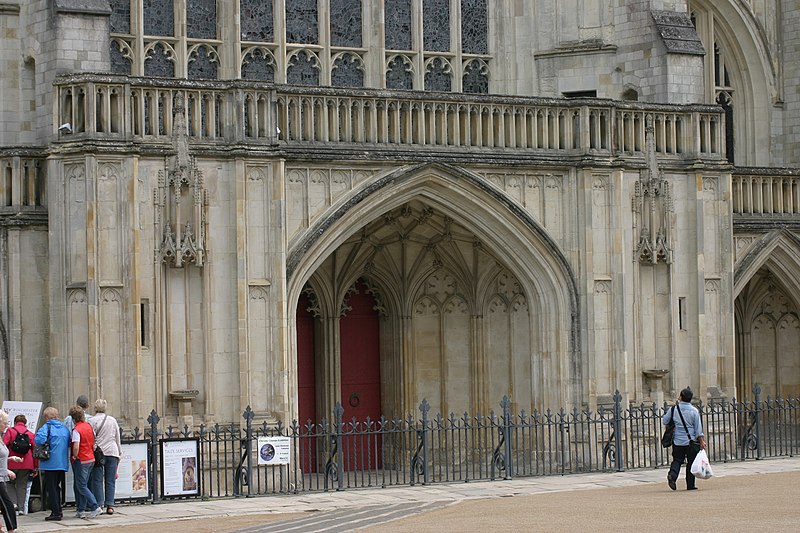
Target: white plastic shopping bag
701 467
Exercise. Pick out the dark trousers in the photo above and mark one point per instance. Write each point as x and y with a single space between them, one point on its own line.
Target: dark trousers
679 455
53 485
7 507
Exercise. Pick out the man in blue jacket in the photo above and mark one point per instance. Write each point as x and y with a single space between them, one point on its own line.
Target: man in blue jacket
55 468
688 439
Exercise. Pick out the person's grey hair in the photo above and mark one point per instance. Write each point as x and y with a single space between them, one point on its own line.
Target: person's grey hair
100 405
3 417
83 401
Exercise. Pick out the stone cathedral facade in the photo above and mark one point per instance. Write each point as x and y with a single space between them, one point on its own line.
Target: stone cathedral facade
210 204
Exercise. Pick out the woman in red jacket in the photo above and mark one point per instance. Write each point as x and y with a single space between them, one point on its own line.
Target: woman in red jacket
18 488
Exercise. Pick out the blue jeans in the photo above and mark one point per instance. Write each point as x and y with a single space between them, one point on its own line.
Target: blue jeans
84 499
105 477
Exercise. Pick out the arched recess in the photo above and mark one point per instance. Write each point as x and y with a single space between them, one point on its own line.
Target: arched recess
531 256
767 307
730 33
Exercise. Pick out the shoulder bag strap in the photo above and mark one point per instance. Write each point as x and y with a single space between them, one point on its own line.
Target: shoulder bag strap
684 424
103 423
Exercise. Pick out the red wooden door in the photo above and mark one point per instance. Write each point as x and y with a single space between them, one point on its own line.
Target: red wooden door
361 377
306 386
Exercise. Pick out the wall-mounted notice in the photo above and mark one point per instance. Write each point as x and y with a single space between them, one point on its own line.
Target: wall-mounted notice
274 450
133 476
180 467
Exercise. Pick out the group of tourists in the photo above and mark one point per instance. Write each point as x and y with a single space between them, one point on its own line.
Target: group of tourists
90 443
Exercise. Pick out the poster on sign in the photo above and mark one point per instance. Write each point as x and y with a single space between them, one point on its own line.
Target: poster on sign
31 410
179 467
273 450
133 476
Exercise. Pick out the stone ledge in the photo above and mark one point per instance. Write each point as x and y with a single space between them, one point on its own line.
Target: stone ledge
83 7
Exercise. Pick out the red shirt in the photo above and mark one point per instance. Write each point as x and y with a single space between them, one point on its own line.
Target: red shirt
86 445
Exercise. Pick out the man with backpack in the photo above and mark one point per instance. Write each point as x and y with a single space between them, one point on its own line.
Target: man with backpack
19 441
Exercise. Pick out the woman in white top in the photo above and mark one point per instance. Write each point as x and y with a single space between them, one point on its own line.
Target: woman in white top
107 438
6 505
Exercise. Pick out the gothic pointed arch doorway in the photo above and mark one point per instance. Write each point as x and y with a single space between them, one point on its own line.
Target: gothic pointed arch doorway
471 300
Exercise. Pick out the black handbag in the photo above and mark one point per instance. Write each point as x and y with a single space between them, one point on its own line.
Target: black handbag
669 431
42 451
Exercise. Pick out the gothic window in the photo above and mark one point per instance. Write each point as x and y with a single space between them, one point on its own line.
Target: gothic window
474 27
120 16
258 65
158 62
159 17
725 100
347 71
399 74
397 20
346 23
120 64
201 19
301 22
202 63
303 69
256 20
436 25
437 75
476 77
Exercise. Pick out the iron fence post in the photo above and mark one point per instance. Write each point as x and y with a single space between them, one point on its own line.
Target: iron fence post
618 431
425 407
506 404
248 446
153 421
338 412
756 428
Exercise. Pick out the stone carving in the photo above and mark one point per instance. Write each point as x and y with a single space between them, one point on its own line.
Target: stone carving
180 202
652 205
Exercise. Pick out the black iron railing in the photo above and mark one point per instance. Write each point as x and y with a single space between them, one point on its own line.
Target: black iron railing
339 454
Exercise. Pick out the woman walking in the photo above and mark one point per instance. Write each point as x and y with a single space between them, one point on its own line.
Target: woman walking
6 505
104 475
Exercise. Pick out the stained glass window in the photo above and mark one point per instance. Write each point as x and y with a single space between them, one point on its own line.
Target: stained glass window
201 19
159 17
303 69
437 77
346 71
301 22
120 16
201 67
158 64
346 23
397 21
399 75
474 27
259 66
476 78
119 63
436 25
256 20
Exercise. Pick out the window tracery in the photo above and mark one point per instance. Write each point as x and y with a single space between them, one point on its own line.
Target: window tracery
399 73
120 16
474 27
346 23
303 68
159 61
437 75
348 71
476 77
202 63
201 19
436 25
397 21
258 65
159 17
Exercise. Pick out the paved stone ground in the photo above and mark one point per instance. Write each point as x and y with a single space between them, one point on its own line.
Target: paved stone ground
760 495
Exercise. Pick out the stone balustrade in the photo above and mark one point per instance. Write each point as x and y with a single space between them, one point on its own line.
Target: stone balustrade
765 192
120 107
23 182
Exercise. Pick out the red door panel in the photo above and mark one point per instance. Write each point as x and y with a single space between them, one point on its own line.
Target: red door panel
306 386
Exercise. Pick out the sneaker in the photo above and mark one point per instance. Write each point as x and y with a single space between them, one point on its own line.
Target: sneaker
94 513
80 514
671 482
53 517
691 488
